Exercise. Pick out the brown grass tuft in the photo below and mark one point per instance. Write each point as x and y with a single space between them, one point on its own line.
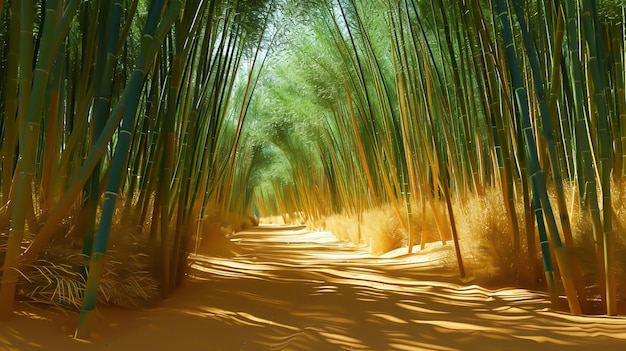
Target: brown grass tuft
584 240
485 238
382 231
487 243
343 227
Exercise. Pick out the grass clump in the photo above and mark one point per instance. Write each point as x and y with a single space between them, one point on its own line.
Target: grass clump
488 245
213 230
582 227
485 237
343 227
379 230
57 278
382 231
58 282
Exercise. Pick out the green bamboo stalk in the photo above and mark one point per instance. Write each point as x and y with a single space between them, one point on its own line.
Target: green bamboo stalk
249 88
500 141
77 183
151 161
590 26
442 178
28 134
11 102
153 35
9 276
52 131
167 164
108 32
362 109
586 171
467 158
572 273
620 86
536 174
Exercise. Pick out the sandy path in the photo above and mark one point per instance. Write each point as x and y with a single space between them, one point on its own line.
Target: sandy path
288 289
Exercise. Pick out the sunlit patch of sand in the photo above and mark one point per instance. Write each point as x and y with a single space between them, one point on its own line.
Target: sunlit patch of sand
413 346
31 315
19 338
545 339
389 318
496 317
342 340
411 306
461 326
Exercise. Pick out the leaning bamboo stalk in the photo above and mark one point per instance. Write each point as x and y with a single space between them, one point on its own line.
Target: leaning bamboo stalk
586 172
18 218
11 103
77 183
501 142
442 179
572 273
153 36
536 174
108 31
590 27
31 106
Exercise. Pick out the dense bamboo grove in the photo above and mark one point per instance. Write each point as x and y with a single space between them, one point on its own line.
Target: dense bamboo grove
131 128
120 121
413 102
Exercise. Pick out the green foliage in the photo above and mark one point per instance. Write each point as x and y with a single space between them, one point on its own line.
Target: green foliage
411 102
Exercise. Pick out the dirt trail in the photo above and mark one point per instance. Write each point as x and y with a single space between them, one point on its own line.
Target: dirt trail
289 289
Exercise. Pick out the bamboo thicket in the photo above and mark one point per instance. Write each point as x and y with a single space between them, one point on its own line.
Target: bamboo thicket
117 127
436 103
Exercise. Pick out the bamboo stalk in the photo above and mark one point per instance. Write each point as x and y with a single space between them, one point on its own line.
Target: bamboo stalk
572 273
29 112
153 33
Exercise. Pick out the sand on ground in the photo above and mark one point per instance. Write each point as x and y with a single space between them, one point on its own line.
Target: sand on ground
285 288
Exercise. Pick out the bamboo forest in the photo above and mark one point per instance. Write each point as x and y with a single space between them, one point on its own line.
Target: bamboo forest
312 175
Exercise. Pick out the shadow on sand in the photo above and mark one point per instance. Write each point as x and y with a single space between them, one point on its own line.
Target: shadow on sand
290 289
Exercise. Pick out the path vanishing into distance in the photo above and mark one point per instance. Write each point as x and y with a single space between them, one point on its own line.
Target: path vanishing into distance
285 288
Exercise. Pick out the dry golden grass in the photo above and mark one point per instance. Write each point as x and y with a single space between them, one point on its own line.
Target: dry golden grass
485 238
343 227
424 227
382 231
584 240
487 244
287 218
272 220
56 280
211 230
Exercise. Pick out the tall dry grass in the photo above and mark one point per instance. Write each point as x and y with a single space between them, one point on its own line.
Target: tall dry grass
583 237
211 232
380 230
272 220
297 218
130 277
57 279
486 243
488 246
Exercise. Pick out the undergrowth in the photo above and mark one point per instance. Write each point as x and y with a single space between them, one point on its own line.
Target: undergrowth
57 278
131 268
485 238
